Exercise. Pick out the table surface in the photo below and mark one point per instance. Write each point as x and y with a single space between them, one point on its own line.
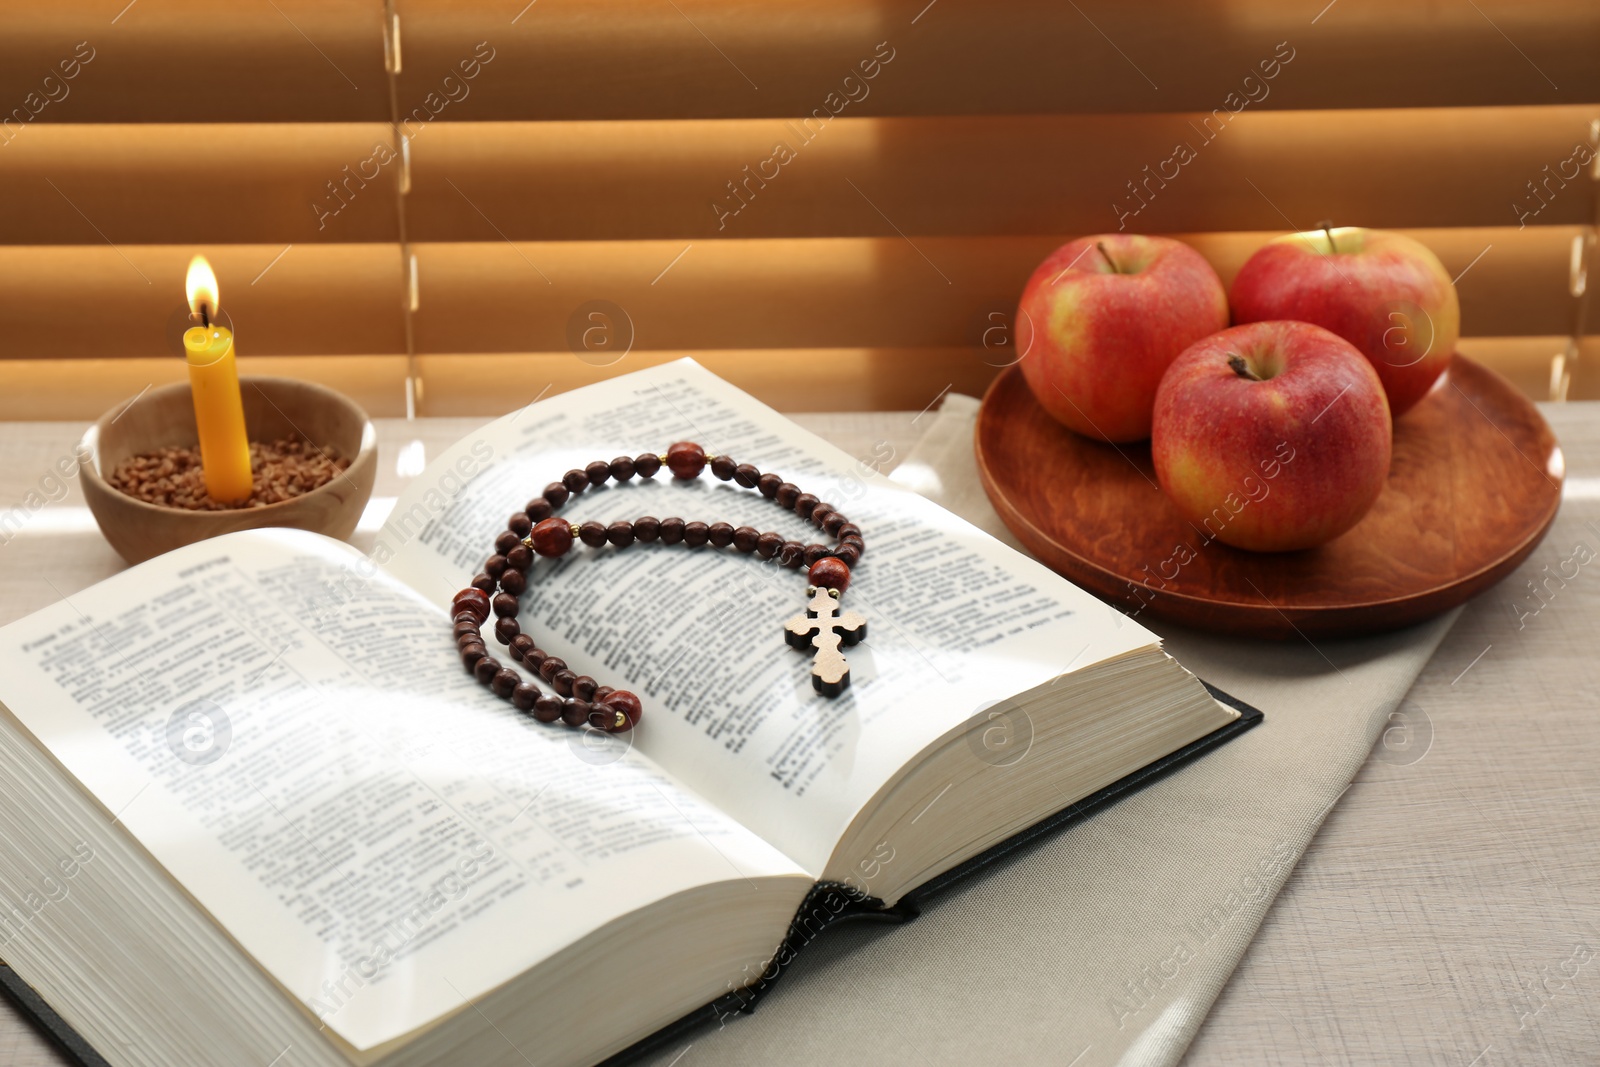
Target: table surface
1448 912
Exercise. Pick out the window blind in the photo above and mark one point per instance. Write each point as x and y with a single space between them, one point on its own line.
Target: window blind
451 207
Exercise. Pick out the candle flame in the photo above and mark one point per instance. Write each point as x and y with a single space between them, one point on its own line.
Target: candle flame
201 285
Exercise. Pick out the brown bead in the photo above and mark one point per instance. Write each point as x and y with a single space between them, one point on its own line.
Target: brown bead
820 513
505 605
846 529
538 509
833 522
552 537
746 475
622 468
597 472
792 554
646 464
547 708
592 533
583 687
521 645
816 552
696 534
848 555
647 529
855 543
829 573
745 538
805 504
720 534
625 702
574 712
671 530
767 544
513 582
524 696
534 657
685 459
609 719
620 533
505 629
506 541
472 654
561 681
550 665
601 693
504 681
466 626
472 601
557 494
576 481
485 669
520 557
723 467
768 484
787 494
519 524
484 582
463 640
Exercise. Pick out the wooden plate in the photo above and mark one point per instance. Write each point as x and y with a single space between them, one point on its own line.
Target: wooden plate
1474 486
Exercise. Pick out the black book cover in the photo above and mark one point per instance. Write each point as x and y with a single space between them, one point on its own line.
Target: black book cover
828 904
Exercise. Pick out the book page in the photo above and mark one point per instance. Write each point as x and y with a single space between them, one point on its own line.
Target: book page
290 733
956 620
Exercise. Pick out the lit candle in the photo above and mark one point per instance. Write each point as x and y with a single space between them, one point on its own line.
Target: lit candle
214 382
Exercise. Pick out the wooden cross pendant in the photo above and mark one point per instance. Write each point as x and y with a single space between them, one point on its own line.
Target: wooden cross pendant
823 627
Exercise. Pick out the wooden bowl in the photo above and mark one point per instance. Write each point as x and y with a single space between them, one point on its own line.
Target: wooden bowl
274 408
1474 486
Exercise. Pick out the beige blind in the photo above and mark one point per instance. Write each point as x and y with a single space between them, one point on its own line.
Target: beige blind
451 207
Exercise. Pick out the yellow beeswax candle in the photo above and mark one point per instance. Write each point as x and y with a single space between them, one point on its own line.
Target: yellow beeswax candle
214 383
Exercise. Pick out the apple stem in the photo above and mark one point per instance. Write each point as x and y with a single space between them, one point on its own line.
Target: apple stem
1327 228
1241 368
1101 245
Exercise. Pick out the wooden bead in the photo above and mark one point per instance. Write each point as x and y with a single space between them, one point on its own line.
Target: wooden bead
597 472
550 665
576 481
792 554
767 544
620 533
583 687
547 708
534 657
552 537
504 681
592 533
723 467
466 627
805 504
855 543
816 552
574 712
720 534
609 719
601 693
768 484
505 605
829 573
787 494
671 530
745 538
625 702
519 524
524 696
647 529
520 557
463 640
485 583
538 509
695 534
833 522
846 529
746 475
646 464
820 513
472 601
561 681
513 582
505 629
521 645
471 654
622 468
848 555
685 459
506 541
557 494
485 670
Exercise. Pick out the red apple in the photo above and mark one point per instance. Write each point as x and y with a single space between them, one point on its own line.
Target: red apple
1101 320
1272 437
1383 292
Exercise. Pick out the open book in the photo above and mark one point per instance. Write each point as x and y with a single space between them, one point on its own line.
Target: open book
257 813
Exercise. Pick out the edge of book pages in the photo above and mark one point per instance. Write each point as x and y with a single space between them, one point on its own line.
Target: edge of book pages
829 904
